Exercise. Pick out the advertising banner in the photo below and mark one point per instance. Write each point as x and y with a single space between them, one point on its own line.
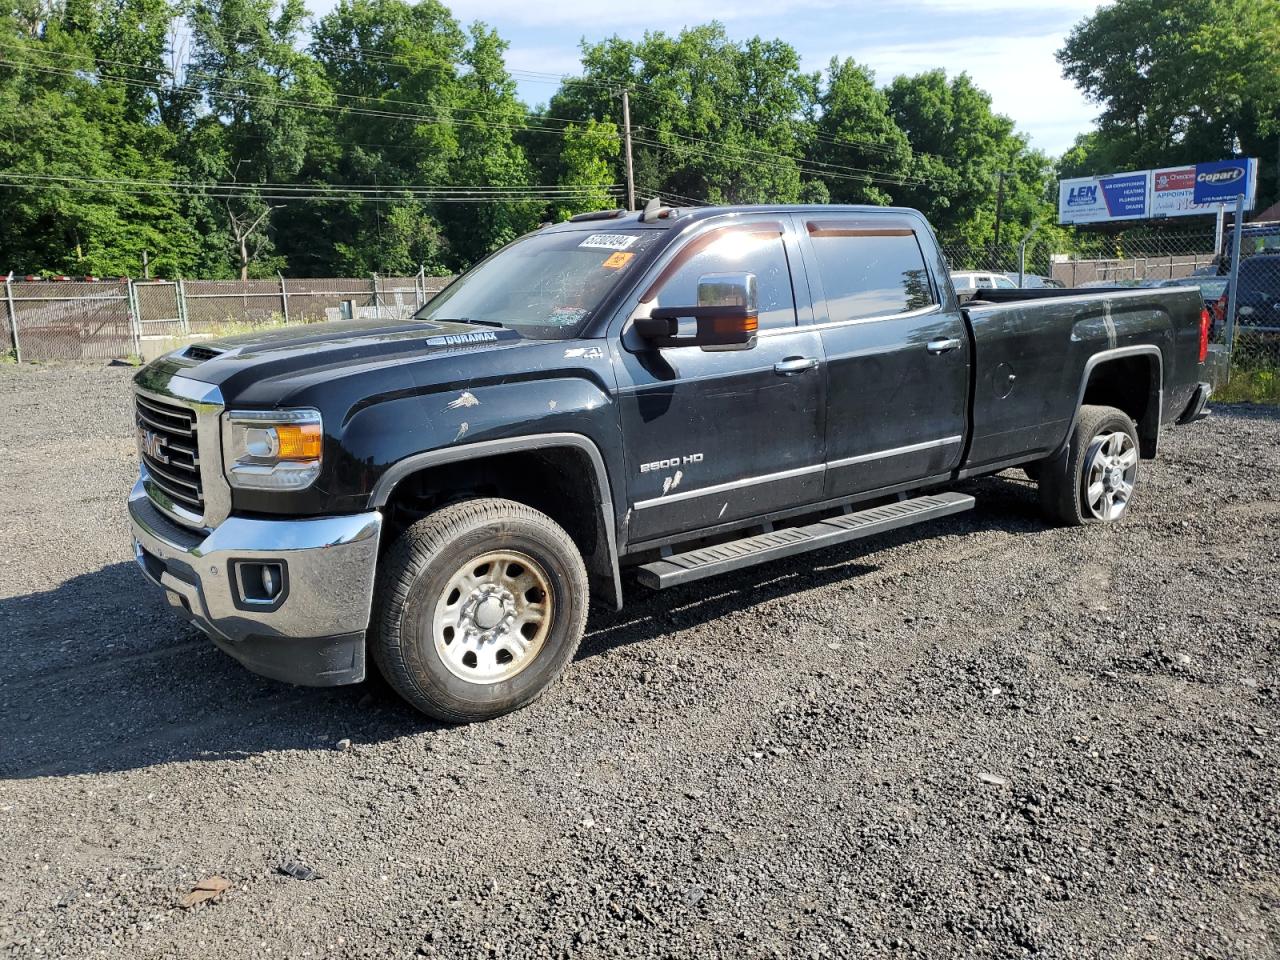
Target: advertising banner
1224 181
1185 191
1102 199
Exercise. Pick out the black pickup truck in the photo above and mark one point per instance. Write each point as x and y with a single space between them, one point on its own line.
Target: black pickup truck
677 393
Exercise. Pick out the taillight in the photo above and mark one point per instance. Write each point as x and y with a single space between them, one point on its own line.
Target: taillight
1220 308
1205 322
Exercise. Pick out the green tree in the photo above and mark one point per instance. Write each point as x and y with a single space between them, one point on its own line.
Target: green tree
1178 81
487 153
587 158
392 68
87 170
254 81
965 154
856 129
713 119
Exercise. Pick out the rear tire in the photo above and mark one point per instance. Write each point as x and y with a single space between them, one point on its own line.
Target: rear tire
1094 477
480 606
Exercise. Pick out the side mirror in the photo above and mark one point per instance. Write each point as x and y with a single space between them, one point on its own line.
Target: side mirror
727 316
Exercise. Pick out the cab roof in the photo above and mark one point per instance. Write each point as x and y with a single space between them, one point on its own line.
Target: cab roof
671 215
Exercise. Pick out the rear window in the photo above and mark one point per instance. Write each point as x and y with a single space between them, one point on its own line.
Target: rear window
870 272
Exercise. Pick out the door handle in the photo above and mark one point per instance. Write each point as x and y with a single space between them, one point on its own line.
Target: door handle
942 346
785 368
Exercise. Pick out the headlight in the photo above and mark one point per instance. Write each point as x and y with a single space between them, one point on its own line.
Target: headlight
272 449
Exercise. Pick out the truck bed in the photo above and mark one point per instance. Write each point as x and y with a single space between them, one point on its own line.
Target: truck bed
1033 350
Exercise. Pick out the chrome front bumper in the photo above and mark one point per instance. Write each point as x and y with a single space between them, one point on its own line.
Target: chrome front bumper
313 634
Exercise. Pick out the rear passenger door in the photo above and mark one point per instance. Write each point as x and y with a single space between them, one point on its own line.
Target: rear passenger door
895 346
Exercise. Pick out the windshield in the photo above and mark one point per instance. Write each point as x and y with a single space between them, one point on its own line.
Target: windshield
546 285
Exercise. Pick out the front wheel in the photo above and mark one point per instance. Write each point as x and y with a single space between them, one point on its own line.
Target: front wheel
480 607
1093 479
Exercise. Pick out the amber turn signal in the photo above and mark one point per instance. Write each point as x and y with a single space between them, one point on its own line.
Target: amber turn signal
299 441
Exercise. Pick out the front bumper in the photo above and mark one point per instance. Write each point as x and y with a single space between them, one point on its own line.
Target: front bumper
314 634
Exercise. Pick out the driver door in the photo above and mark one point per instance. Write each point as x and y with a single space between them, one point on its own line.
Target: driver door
716 436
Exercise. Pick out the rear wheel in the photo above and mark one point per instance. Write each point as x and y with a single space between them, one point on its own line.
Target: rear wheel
1093 479
481 606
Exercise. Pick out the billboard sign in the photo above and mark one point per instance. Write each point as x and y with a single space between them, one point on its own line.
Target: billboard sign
1225 180
1189 190
1102 199
1171 192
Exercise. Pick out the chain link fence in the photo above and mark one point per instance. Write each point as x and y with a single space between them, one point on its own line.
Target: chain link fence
1246 336
1247 314
106 320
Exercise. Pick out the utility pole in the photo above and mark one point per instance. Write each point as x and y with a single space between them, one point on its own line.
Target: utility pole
999 208
626 142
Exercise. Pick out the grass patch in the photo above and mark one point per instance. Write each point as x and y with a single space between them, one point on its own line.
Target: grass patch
1253 380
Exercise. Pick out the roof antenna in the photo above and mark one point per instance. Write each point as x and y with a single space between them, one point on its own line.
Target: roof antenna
651 209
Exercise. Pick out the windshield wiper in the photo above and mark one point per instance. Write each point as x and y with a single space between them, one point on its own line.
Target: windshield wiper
483 323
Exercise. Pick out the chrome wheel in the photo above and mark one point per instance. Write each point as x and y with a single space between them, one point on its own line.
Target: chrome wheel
1111 468
493 617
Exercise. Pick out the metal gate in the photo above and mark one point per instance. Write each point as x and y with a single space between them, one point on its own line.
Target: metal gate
158 306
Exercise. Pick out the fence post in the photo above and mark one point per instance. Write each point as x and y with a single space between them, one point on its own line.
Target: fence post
13 316
1233 282
183 322
284 296
135 317
377 304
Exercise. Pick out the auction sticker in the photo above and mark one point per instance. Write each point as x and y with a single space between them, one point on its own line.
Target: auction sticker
609 241
616 260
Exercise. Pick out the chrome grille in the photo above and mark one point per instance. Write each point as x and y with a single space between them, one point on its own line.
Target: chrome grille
169 445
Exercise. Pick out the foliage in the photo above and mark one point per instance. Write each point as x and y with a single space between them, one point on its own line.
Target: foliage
340 146
1179 81
856 130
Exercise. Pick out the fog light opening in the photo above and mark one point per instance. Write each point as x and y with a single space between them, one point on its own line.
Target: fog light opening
260 583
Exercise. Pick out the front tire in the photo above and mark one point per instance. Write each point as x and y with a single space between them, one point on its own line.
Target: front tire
1093 479
480 606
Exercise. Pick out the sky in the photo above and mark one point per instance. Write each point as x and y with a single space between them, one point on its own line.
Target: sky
1007 46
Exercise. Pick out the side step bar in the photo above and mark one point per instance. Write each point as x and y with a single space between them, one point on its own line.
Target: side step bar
736 554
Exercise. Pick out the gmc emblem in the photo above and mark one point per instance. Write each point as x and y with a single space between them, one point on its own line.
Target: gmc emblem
152 445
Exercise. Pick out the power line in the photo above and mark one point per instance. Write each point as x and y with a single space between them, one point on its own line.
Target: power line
298 104
277 191
776 162
310 187
901 180
886 177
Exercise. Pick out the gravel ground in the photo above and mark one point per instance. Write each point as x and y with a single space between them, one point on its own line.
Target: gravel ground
984 737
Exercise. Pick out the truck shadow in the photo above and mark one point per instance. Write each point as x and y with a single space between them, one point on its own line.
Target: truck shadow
97 675
1007 503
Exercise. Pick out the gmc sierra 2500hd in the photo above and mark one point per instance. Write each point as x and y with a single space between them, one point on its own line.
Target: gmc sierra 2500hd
682 392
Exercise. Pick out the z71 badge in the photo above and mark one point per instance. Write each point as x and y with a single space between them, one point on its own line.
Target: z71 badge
671 463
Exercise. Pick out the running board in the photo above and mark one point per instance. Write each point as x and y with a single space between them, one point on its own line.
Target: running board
736 554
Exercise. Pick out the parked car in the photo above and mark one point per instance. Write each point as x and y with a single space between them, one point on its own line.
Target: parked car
678 393
969 282
1032 281
1258 300
1118 283
1211 288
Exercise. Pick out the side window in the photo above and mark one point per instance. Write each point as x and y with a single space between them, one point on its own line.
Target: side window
1004 283
870 272
738 249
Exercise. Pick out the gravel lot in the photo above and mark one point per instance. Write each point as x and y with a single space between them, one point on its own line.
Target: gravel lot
983 737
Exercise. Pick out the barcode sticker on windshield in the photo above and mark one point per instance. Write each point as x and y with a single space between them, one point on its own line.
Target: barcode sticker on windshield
609 241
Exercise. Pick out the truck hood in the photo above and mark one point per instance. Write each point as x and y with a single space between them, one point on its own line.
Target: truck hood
300 353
